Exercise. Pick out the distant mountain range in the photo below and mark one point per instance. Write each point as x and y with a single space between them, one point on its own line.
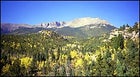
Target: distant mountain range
81 27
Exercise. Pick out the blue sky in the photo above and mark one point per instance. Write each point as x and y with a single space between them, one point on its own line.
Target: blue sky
35 12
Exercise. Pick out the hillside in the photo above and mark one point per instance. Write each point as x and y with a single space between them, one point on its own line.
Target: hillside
46 53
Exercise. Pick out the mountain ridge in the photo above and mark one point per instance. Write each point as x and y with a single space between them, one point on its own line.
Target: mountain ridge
82 27
86 21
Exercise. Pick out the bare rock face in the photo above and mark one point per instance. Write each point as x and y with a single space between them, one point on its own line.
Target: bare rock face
53 24
79 22
133 35
137 35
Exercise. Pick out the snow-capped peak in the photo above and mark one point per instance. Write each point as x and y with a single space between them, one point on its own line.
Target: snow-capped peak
86 21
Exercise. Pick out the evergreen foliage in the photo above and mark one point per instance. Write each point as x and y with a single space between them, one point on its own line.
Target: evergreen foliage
49 54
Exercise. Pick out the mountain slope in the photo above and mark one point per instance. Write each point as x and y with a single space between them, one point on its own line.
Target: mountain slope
85 27
81 28
27 30
9 27
84 31
86 21
68 31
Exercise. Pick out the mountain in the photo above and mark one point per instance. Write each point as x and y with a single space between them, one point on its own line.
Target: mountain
9 27
86 21
68 31
85 27
81 27
85 31
52 25
26 30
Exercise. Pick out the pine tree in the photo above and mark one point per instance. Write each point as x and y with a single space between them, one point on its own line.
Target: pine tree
15 68
118 42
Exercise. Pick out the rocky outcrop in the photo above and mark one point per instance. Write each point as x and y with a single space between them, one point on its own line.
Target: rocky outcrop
126 34
53 24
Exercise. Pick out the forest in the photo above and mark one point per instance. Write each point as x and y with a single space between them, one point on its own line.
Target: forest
49 54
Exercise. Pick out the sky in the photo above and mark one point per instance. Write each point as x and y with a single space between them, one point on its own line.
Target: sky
36 12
